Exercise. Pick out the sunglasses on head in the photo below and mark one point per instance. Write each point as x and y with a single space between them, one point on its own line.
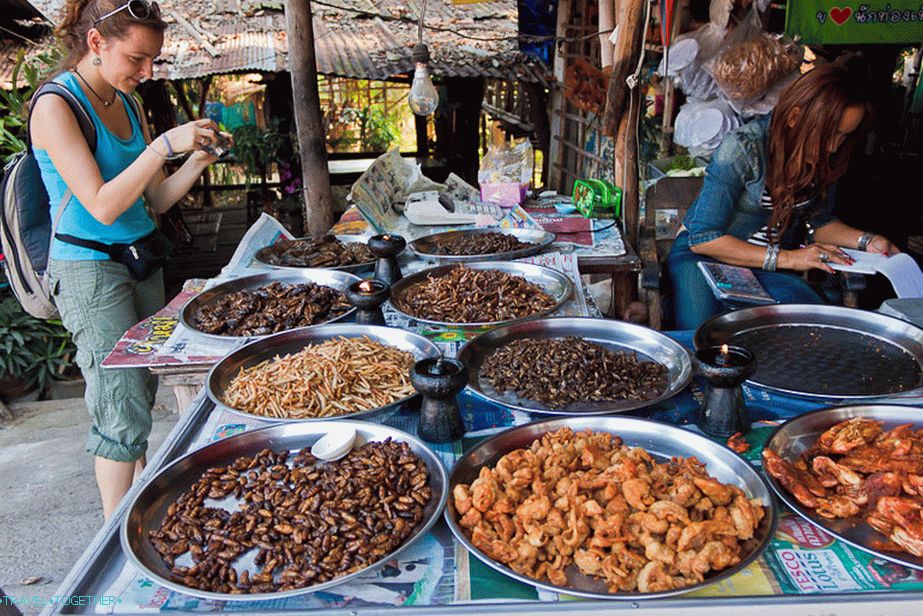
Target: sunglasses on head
138 9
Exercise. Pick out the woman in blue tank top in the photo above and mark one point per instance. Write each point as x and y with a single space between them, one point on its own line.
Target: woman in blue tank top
111 47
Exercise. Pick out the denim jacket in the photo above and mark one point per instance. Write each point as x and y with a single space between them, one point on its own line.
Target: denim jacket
729 202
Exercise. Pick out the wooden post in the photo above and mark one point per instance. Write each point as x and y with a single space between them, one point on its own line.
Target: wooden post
669 94
630 22
318 201
626 166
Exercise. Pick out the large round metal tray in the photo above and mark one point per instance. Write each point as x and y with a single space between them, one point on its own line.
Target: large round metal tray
262 255
554 283
221 375
793 437
328 277
149 507
824 352
650 345
423 247
663 441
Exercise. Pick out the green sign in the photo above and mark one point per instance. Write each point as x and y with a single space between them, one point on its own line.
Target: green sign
855 21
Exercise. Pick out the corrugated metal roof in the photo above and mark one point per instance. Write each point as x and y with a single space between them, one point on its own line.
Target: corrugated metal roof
252 38
18 9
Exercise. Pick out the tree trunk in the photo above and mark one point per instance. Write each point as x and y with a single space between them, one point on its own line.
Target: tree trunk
318 202
630 23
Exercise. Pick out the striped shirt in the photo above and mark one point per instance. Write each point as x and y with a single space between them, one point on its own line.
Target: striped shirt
760 237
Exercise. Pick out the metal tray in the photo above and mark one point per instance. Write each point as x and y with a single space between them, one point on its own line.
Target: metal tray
221 375
261 256
555 284
148 508
663 441
824 352
423 247
328 277
614 335
795 436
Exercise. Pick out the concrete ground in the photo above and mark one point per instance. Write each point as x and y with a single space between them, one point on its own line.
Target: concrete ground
50 508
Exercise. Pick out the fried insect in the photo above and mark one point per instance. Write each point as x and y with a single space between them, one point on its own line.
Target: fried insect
587 499
326 251
561 371
467 295
335 377
309 521
480 244
273 308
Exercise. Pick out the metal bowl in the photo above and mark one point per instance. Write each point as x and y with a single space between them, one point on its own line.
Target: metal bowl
149 507
614 335
262 255
221 375
663 441
553 282
328 277
423 247
850 355
795 436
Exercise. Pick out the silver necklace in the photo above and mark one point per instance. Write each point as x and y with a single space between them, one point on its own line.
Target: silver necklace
95 93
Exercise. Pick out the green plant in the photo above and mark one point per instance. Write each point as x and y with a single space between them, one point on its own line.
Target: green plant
255 149
31 69
31 349
377 129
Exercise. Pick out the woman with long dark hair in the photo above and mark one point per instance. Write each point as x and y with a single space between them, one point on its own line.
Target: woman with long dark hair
111 46
768 196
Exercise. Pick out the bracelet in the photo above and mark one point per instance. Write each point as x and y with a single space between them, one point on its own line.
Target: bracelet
167 143
864 240
151 147
771 259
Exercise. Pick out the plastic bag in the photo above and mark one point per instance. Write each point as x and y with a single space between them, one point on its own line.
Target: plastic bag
700 126
751 60
505 172
690 52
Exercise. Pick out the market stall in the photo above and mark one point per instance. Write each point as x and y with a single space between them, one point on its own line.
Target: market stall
789 561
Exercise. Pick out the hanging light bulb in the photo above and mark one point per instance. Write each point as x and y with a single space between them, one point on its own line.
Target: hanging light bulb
423 97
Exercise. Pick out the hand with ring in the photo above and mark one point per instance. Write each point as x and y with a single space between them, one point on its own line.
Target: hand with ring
192 135
813 256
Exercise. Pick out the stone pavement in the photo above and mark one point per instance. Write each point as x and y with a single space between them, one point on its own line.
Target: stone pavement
50 508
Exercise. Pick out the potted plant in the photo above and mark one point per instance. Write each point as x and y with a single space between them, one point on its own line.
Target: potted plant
32 351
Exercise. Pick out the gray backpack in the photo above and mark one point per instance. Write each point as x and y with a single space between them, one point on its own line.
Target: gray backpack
26 230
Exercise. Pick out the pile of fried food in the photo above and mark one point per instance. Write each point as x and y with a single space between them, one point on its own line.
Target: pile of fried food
468 295
326 251
276 307
612 510
856 467
308 521
562 371
480 244
336 377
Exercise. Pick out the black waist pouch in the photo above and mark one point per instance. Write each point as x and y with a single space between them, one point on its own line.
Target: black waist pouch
142 257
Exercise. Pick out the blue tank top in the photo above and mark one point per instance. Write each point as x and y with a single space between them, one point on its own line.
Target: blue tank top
112 155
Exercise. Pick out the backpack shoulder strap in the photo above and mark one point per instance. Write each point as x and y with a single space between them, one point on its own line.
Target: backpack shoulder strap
135 106
79 111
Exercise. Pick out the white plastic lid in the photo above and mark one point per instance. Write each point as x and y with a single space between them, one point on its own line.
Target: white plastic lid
335 444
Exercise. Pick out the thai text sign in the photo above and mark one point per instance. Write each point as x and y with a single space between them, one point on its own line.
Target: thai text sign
856 21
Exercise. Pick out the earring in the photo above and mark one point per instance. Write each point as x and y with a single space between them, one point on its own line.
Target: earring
97 61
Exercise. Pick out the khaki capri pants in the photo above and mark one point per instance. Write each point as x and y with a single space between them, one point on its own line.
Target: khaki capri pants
98 302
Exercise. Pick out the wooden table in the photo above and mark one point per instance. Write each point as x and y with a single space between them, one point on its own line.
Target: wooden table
186 382
623 270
